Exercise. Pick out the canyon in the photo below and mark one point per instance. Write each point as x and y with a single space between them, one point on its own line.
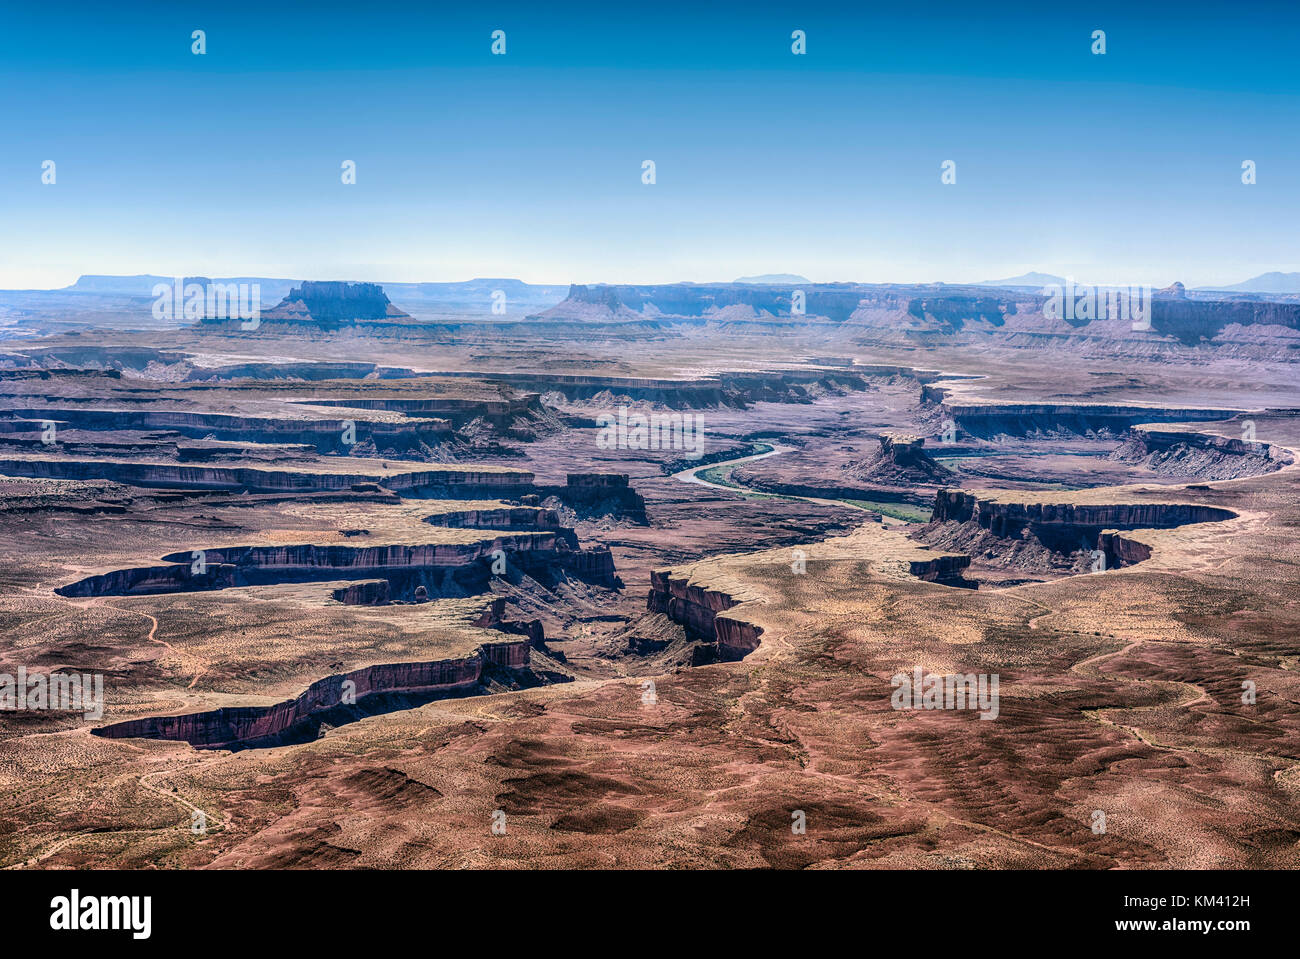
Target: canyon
361 577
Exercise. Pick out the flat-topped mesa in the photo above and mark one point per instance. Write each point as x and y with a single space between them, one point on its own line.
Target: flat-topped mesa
707 301
1199 455
335 699
442 482
593 495
1062 527
440 569
325 435
990 420
332 304
699 610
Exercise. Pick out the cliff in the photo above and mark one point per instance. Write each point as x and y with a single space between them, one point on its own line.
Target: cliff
369 592
990 420
1121 550
252 726
444 482
505 517
325 306
699 610
901 461
594 495
1052 537
443 569
324 435
1199 455
1005 518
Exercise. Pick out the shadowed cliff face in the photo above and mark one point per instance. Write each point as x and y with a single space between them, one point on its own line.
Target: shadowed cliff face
933 309
326 305
1199 455
335 701
443 569
991 420
1009 518
1054 537
442 483
699 610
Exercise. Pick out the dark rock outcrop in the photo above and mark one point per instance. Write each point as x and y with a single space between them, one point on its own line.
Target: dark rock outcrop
369 592
442 483
443 569
900 462
1199 455
326 306
700 610
593 495
338 698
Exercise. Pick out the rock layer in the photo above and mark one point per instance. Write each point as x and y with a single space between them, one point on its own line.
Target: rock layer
1199 455
699 610
249 726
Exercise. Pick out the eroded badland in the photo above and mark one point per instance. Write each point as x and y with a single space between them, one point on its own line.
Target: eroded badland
367 588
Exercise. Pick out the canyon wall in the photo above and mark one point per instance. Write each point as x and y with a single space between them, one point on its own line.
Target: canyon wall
1010 518
1121 550
592 495
699 610
989 420
420 482
1199 455
264 725
443 569
323 435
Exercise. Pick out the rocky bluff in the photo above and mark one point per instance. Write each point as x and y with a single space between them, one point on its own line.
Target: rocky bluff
327 306
1065 527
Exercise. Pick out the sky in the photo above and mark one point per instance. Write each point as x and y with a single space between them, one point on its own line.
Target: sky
1123 167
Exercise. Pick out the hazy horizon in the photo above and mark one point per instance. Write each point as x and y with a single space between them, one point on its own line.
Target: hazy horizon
1122 168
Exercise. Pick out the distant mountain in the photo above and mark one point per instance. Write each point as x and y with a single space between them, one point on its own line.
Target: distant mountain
1027 279
1264 283
774 278
143 284
479 290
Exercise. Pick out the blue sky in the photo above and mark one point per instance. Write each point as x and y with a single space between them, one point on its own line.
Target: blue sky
1118 168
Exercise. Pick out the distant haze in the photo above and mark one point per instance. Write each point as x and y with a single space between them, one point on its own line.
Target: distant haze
1266 283
772 278
530 165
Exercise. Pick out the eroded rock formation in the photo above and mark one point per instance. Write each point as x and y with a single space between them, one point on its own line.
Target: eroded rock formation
699 609
1053 537
336 698
1199 455
900 462
443 569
